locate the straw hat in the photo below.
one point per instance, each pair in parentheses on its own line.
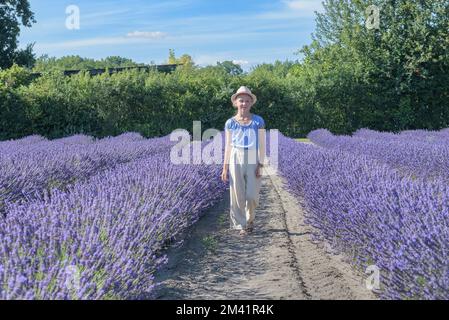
(243,90)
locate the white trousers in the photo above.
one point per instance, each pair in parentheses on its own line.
(244,187)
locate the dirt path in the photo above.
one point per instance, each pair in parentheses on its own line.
(277,261)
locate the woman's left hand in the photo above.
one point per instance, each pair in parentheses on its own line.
(258,171)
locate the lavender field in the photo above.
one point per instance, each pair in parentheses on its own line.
(85,219)
(382,199)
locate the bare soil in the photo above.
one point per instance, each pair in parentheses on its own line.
(277,261)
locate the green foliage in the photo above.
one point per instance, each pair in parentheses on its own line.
(185,60)
(45,63)
(230,67)
(392,78)
(151,103)
(14,77)
(25,57)
(14,13)
(210,243)
(13,120)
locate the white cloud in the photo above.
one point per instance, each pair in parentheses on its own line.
(304,5)
(99,41)
(134,37)
(293,9)
(104,13)
(146,34)
(206,59)
(164,39)
(240,62)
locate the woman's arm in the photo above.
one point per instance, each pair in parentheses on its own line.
(262,146)
(227,155)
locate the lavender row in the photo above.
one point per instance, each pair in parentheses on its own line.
(366,210)
(103,238)
(411,158)
(24,176)
(36,143)
(9,145)
(441,136)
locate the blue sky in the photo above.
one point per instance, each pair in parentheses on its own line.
(248,32)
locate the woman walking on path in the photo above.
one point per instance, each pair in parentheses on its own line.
(244,158)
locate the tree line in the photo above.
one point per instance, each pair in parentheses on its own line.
(392,77)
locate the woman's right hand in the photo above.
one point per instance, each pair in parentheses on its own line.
(224,175)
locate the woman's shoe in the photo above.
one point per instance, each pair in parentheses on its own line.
(243,232)
(250,228)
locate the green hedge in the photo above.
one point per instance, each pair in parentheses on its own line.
(153,103)
(294,98)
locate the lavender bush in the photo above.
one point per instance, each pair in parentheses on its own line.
(375,215)
(411,157)
(8,145)
(104,237)
(441,136)
(25,174)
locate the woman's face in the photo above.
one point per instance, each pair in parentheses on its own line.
(243,102)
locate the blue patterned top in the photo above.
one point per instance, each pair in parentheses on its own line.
(245,136)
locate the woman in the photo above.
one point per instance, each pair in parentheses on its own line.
(244,158)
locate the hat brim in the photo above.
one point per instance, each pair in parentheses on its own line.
(234,96)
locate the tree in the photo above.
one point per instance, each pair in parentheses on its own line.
(230,67)
(117,61)
(11,11)
(279,68)
(171,57)
(15,77)
(46,63)
(25,57)
(395,77)
(186,60)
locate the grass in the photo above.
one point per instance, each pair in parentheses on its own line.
(222,220)
(210,243)
(302,140)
